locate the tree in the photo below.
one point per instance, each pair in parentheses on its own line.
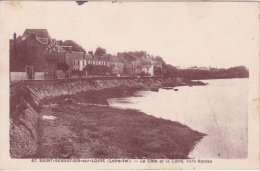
(75,47)
(96,69)
(158,58)
(158,71)
(171,71)
(100,51)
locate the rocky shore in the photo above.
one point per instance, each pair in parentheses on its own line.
(86,127)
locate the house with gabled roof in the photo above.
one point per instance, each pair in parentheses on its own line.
(132,64)
(115,64)
(77,60)
(35,50)
(80,60)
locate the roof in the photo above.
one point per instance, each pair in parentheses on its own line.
(115,59)
(60,49)
(98,58)
(157,62)
(88,56)
(42,40)
(20,39)
(67,48)
(146,62)
(77,55)
(127,56)
(43,33)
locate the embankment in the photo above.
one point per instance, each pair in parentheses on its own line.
(55,88)
(26,98)
(23,121)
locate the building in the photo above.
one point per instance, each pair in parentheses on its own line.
(77,60)
(50,66)
(147,70)
(158,68)
(132,63)
(203,68)
(115,64)
(89,64)
(68,58)
(151,68)
(135,67)
(32,50)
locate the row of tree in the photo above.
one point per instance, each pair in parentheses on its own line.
(234,72)
(76,47)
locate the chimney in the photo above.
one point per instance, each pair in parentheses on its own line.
(14,40)
(54,41)
(59,42)
(14,37)
(91,53)
(84,54)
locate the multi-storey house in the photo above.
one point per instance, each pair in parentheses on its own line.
(33,55)
(115,64)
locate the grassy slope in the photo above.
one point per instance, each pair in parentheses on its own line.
(91,131)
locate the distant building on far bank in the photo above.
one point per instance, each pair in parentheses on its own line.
(203,68)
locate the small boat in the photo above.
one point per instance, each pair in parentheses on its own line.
(155,89)
(175,89)
(167,88)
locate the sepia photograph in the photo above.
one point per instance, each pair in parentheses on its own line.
(135,83)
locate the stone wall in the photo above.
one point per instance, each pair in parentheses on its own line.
(23,121)
(54,88)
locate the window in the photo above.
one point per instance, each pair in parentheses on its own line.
(74,62)
(78,62)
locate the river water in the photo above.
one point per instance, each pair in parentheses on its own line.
(218,110)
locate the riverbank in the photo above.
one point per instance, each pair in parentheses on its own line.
(80,130)
(86,127)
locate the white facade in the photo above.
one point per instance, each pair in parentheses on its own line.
(79,64)
(148,69)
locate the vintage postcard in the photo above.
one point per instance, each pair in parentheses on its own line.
(129,85)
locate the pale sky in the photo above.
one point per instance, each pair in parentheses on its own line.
(184,34)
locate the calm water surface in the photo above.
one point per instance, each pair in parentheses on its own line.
(218,110)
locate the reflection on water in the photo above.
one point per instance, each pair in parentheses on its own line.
(218,109)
